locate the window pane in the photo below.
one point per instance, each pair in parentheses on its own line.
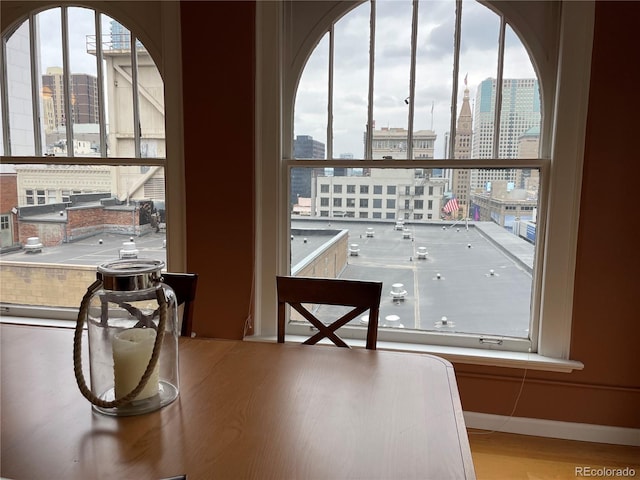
(351,83)
(85,113)
(391,77)
(312,96)
(472,265)
(434,58)
(109,206)
(19,87)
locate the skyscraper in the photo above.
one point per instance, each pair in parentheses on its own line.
(84,98)
(520,111)
(304,146)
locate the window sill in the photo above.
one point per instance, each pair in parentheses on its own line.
(470,356)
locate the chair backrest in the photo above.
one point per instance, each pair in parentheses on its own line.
(184,285)
(361,295)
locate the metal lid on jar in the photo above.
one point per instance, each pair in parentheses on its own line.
(130,274)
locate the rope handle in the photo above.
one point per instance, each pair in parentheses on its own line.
(77,350)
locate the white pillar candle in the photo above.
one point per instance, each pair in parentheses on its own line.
(132,350)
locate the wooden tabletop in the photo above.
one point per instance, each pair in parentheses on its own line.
(245,410)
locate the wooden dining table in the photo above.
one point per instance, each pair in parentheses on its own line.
(245,410)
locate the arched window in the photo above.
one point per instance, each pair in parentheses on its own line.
(83,151)
(453,109)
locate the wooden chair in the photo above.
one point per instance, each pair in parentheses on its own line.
(361,295)
(184,285)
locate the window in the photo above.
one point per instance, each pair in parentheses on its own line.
(364,203)
(388,152)
(364,189)
(391,190)
(351,189)
(324,202)
(377,203)
(337,188)
(75,89)
(377,189)
(324,188)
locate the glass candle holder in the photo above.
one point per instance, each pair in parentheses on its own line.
(132,323)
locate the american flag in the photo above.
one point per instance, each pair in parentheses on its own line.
(451,206)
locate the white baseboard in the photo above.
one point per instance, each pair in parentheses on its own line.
(554,429)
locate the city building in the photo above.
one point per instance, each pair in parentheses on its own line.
(38,184)
(462,149)
(409,194)
(304,147)
(383,194)
(519,112)
(84,98)
(504,205)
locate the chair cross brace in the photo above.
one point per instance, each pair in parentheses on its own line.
(327,330)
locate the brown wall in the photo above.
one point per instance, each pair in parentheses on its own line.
(218,96)
(606,317)
(218,56)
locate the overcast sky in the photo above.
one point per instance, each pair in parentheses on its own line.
(434,70)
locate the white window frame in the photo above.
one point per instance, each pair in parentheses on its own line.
(274,106)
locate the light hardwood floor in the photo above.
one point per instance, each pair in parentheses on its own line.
(506,456)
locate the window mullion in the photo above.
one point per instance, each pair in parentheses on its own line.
(499,74)
(100,81)
(456,66)
(372,47)
(64,18)
(36,79)
(134,91)
(330,94)
(412,78)
(4,91)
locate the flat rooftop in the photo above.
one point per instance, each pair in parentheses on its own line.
(473,300)
(454,281)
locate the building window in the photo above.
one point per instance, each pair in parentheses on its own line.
(337,188)
(377,189)
(364,203)
(324,201)
(418,204)
(351,189)
(377,203)
(65,94)
(324,188)
(364,189)
(337,202)
(391,203)
(389,156)
(351,202)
